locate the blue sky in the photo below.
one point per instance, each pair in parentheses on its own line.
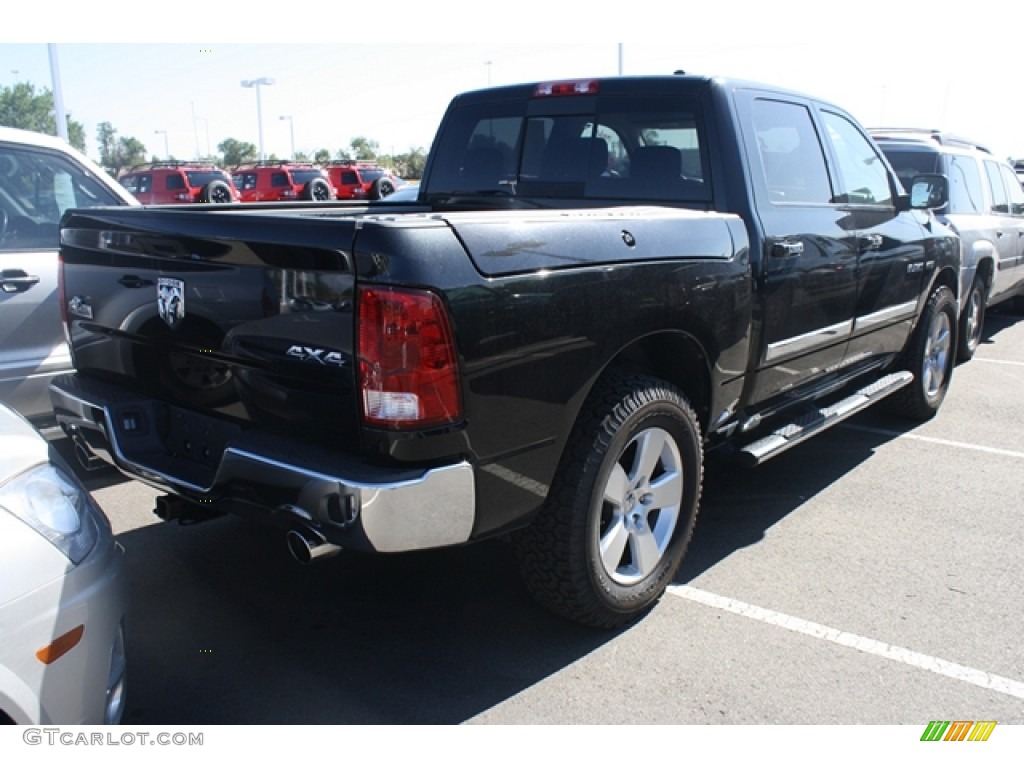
(887,63)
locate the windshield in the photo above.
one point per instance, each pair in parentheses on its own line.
(628,147)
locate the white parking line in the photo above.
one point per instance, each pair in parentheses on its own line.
(936,440)
(876,648)
(993,360)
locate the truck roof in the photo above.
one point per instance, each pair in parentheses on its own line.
(623,85)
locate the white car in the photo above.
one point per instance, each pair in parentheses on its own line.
(62,591)
(40,178)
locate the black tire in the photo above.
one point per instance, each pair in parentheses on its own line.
(215,192)
(930,357)
(317,189)
(972,321)
(381,188)
(603,563)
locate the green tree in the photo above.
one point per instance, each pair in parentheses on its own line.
(343,154)
(322,156)
(411,164)
(22,107)
(116,153)
(131,152)
(237,152)
(364,148)
(76,134)
(106,140)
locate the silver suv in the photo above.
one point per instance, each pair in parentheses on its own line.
(40,178)
(986,209)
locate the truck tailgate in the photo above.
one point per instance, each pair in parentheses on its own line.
(250,315)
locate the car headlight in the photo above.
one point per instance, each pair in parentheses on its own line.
(56,507)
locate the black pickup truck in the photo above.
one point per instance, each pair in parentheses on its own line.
(599,282)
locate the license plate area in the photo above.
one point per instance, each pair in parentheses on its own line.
(172,441)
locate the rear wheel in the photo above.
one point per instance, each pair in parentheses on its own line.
(972,321)
(930,357)
(621,512)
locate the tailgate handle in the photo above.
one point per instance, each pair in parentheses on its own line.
(16,280)
(134,281)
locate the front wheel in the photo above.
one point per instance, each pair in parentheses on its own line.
(622,509)
(930,356)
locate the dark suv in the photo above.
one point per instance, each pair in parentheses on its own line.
(184,182)
(282,181)
(986,209)
(357,180)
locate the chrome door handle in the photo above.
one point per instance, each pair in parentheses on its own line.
(16,281)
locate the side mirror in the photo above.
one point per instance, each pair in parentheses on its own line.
(929,191)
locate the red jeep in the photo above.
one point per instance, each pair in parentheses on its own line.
(179,182)
(361,180)
(282,181)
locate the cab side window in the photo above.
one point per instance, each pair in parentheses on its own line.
(965,190)
(36,187)
(1000,202)
(863,178)
(1013,190)
(791,156)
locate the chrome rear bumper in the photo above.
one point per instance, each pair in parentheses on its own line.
(350,502)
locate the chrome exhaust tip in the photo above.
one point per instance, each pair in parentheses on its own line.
(89,460)
(307,545)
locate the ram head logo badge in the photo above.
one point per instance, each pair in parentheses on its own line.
(170,300)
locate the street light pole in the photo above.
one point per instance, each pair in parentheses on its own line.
(58,94)
(195,131)
(206,130)
(259,105)
(167,151)
(291,129)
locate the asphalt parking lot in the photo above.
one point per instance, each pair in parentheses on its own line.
(872,575)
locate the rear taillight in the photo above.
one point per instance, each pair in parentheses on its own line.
(408,370)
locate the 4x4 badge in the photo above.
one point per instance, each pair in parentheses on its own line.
(170,300)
